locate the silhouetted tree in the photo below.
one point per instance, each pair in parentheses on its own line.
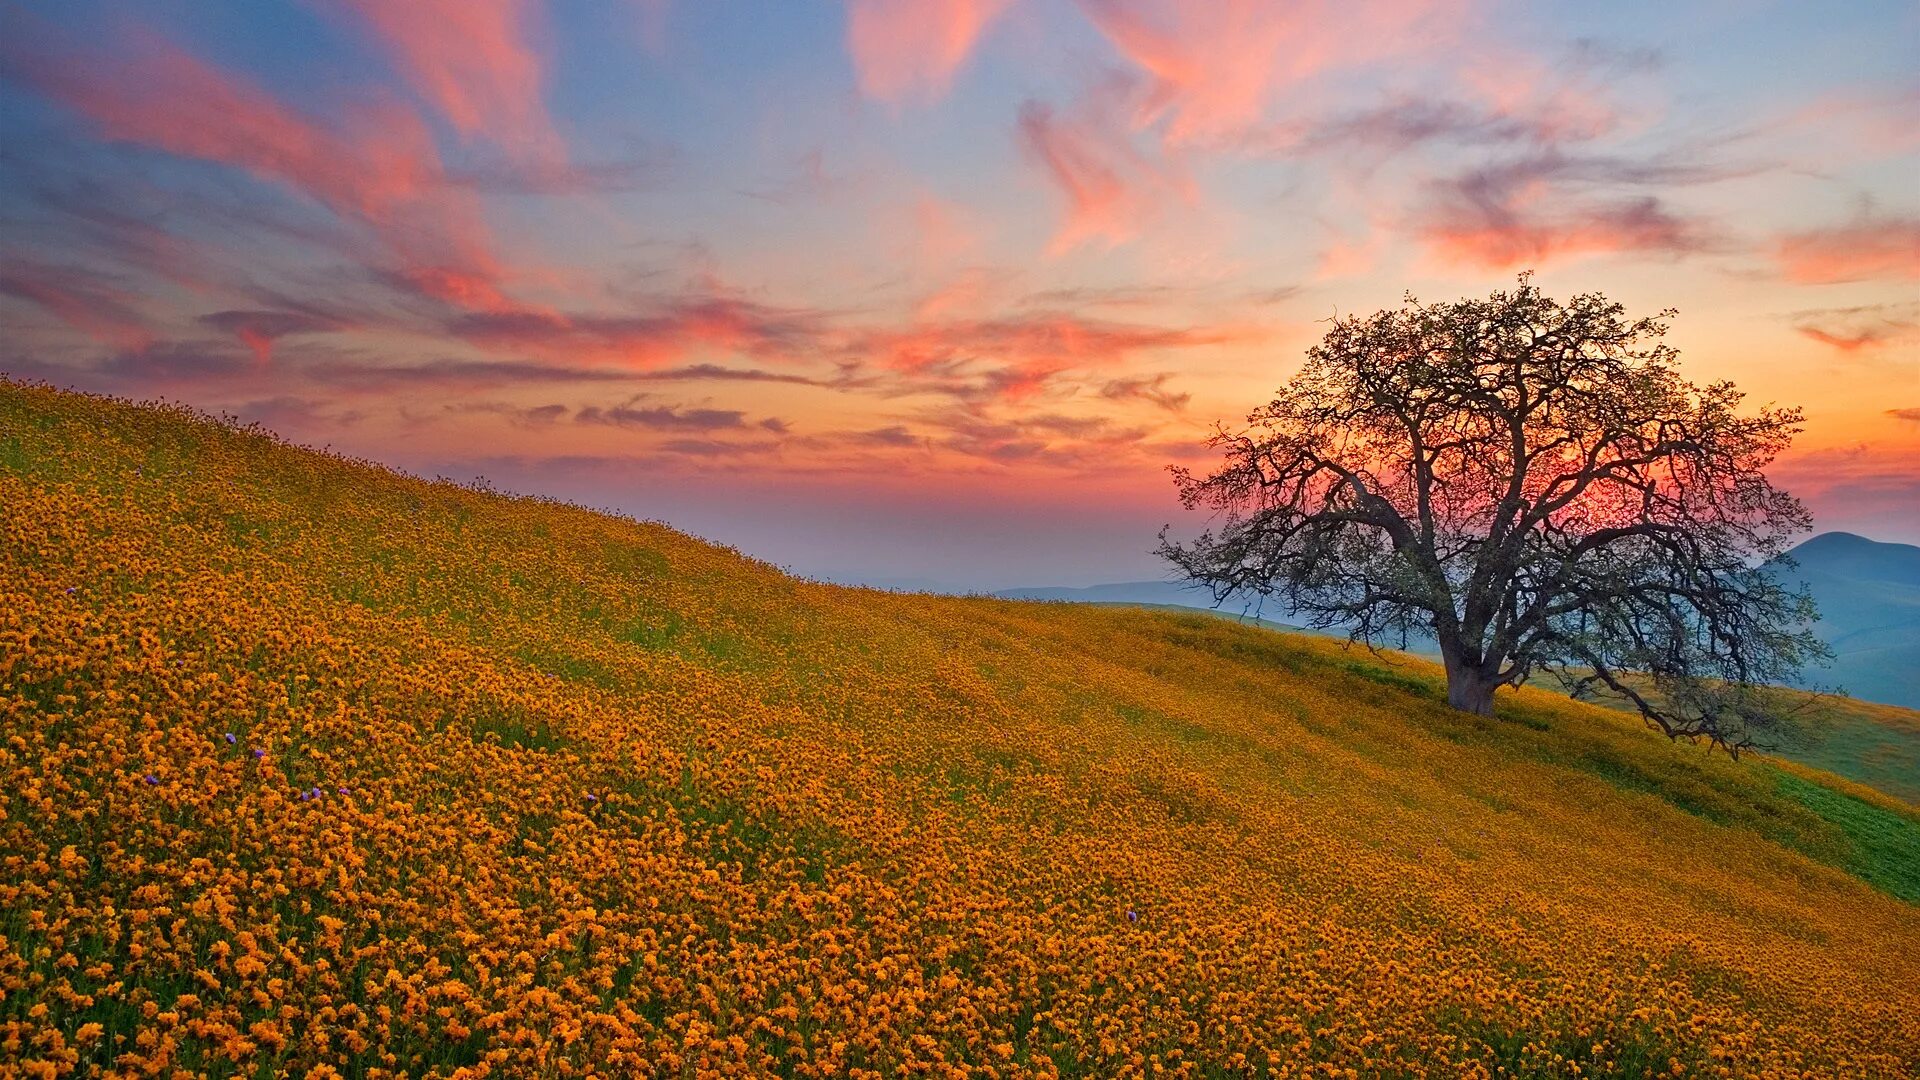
(1535,487)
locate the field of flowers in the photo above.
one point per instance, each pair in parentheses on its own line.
(307,768)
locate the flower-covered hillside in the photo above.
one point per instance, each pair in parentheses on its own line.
(308,768)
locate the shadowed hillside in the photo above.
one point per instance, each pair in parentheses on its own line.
(309,763)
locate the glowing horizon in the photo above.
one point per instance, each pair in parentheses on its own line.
(933,288)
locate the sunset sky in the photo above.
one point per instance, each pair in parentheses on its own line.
(934,289)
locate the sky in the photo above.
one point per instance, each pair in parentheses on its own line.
(932,292)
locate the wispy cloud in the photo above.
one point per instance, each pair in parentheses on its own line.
(1113,189)
(258,330)
(379,167)
(1216,67)
(1862,327)
(1148,388)
(1871,248)
(1534,209)
(662,417)
(1015,357)
(907,51)
(475,62)
(666,335)
(93,307)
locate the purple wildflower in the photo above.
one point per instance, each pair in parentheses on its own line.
(151,779)
(1133,916)
(258,753)
(230,738)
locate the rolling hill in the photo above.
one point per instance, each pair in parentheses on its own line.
(310,768)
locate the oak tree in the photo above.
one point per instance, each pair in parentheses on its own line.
(1533,486)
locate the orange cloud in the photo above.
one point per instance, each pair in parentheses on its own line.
(910,50)
(1846,343)
(1861,328)
(379,168)
(1867,250)
(1148,388)
(471,59)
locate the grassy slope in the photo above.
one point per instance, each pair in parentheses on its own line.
(1865,741)
(829,828)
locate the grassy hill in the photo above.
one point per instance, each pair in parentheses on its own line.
(307,765)
(1867,741)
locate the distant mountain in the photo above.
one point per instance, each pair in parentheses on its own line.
(1868,593)
(1124,592)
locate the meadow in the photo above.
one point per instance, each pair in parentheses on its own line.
(309,768)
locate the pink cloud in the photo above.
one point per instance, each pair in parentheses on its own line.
(672,333)
(378,167)
(1864,487)
(103,313)
(1112,188)
(1866,250)
(1217,66)
(909,50)
(1538,209)
(472,60)
(1503,241)
(1015,357)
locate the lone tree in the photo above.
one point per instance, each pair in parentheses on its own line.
(1533,486)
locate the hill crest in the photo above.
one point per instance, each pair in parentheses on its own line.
(543,789)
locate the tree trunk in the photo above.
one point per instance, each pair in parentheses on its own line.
(1468,690)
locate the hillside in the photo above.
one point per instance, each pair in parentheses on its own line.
(309,764)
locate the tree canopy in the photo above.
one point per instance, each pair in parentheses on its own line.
(1533,485)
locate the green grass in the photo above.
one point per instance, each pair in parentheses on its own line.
(1885,846)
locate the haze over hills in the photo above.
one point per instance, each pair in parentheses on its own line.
(304,763)
(1868,593)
